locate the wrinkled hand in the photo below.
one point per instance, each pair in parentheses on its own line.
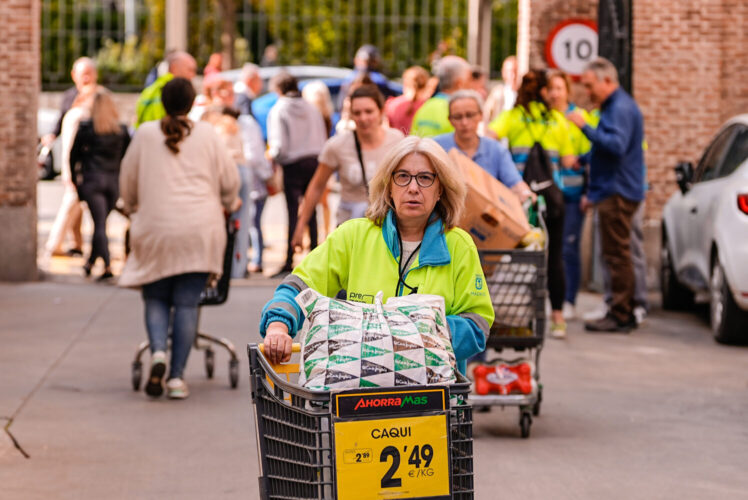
(277,343)
(523,192)
(576,118)
(297,240)
(48,139)
(584,204)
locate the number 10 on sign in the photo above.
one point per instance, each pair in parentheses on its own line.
(392,458)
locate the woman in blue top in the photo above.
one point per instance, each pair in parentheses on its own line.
(465,116)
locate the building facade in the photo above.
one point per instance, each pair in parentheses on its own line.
(19,87)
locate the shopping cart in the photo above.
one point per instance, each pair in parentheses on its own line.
(216,292)
(516,281)
(397,442)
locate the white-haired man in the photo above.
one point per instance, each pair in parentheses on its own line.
(83,73)
(149,107)
(250,77)
(432,118)
(616,186)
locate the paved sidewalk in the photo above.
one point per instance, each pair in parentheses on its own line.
(65,382)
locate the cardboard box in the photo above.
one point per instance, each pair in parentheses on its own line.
(493,214)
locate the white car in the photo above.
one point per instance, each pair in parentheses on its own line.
(705,234)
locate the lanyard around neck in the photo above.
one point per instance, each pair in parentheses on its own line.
(403,269)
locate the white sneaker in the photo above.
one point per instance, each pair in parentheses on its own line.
(155,385)
(570,311)
(640,313)
(177,389)
(596,314)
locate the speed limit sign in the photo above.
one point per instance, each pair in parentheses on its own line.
(571,45)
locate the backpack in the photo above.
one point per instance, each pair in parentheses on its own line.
(539,172)
(538,175)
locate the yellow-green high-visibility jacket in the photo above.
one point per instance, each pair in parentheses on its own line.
(363,259)
(432,118)
(149,106)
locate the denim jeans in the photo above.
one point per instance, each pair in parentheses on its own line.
(255,231)
(173,301)
(241,242)
(573,223)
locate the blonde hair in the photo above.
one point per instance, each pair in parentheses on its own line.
(317,94)
(104,114)
(452,200)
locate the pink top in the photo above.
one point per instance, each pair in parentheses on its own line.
(400,112)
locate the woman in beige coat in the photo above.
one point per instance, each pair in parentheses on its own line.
(176,181)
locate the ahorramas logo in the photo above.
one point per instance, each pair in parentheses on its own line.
(398,402)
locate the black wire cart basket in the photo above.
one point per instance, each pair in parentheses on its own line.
(397,442)
(516,281)
(216,292)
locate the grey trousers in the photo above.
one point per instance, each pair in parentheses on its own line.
(638,258)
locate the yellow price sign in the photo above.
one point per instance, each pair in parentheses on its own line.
(393,458)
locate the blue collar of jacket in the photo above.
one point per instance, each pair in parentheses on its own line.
(611,98)
(433,251)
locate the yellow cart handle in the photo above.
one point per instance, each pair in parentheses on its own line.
(284,368)
(295,347)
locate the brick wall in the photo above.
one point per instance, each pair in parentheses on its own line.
(19,85)
(690,73)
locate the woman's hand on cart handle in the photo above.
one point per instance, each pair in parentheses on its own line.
(277,345)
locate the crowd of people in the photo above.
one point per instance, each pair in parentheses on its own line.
(194,159)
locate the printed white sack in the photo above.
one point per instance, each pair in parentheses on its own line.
(349,344)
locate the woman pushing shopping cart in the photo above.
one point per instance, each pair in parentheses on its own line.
(404,430)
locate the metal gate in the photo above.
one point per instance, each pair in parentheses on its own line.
(126,37)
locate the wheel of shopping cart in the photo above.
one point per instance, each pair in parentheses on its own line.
(210,362)
(234,373)
(525,421)
(137,375)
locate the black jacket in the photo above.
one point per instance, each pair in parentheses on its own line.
(68,98)
(92,152)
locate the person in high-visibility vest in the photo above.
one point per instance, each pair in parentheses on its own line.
(408,243)
(531,121)
(432,118)
(573,183)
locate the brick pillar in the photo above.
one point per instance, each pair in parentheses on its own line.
(19,87)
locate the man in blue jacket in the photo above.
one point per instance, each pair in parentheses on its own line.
(616,184)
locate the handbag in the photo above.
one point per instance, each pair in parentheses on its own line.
(275,183)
